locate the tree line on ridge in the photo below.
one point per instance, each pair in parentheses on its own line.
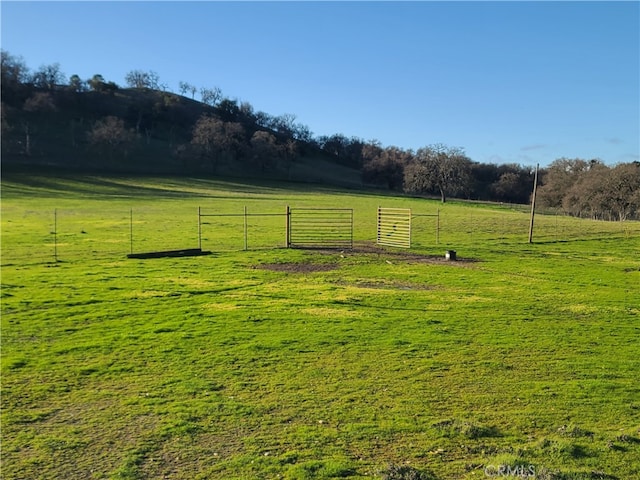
(73,123)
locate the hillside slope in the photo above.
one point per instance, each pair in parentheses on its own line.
(151,131)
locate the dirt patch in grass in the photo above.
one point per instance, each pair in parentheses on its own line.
(395,255)
(369,250)
(300,267)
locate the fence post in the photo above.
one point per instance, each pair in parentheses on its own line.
(246,247)
(55,234)
(131,230)
(378,225)
(288,227)
(410,222)
(199,229)
(438,228)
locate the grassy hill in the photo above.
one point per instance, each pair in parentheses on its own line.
(297,364)
(52,129)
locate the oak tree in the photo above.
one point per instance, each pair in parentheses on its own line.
(438,169)
(384,166)
(48,76)
(264,149)
(141,79)
(111,135)
(210,96)
(214,138)
(185,87)
(76,84)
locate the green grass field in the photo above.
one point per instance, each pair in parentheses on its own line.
(303,364)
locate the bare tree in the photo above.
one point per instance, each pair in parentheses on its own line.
(208,138)
(558,179)
(246,110)
(6,126)
(289,152)
(141,79)
(39,105)
(587,196)
(623,190)
(4,122)
(264,149)
(110,133)
(48,76)
(284,124)
(335,145)
(13,70)
(263,119)
(214,138)
(211,96)
(185,87)
(592,189)
(234,139)
(507,183)
(384,166)
(302,133)
(438,169)
(40,102)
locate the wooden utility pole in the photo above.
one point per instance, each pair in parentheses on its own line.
(533,204)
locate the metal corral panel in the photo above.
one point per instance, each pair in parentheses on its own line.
(320,228)
(394,227)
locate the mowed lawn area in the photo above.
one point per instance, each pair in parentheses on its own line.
(517,359)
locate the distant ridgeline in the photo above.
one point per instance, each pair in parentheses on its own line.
(49,121)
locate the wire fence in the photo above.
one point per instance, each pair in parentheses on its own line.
(242,230)
(72,234)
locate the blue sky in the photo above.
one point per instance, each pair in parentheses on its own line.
(516,82)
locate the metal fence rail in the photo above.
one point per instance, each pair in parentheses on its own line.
(320,228)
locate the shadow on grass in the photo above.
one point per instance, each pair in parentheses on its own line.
(56,183)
